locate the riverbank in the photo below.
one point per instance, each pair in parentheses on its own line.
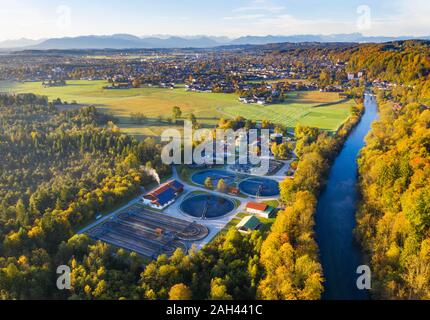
(335,217)
(290,255)
(393,224)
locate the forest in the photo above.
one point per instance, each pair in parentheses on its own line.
(406,64)
(58,170)
(394,215)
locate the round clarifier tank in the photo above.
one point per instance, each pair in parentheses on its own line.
(215,175)
(207,206)
(260,187)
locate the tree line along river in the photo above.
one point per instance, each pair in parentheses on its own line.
(335,217)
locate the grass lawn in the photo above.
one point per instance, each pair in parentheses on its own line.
(266,224)
(208,107)
(272,203)
(232,224)
(186,173)
(300,107)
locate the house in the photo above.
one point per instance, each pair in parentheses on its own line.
(351,76)
(277,138)
(260,209)
(261,102)
(164,195)
(248,224)
(54,83)
(397,107)
(119,85)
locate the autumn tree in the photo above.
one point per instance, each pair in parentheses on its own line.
(393,219)
(180,292)
(219,290)
(209,183)
(222,186)
(136,83)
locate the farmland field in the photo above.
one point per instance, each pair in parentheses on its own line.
(322,110)
(315,109)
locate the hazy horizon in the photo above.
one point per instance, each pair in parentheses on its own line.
(190,36)
(53,19)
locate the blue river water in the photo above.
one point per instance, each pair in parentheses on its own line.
(335,217)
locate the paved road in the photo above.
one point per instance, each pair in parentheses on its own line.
(109,216)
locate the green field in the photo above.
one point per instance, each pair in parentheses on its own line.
(301,107)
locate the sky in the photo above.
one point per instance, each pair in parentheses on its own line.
(233,18)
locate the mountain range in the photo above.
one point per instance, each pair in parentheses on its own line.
(19,43)
(127,41)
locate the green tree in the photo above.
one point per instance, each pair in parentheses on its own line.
(21,214)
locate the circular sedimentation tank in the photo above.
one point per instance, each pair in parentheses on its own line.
(216,175)
(207,206)
(260,187)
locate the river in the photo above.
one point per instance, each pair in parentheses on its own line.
(335,217)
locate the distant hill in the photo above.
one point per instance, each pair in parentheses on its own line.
(91,42)
(127,41)
(352,37)
(19,43)
(124,42)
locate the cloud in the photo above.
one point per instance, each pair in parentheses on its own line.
(22,20)
(411,17)
(26,18)
(244,17)
(272,9)
(404,18)
(286,24)
(260,6)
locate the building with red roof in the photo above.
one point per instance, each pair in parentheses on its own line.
(260,209)
(164,195)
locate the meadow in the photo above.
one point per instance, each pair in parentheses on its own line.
(321,110)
